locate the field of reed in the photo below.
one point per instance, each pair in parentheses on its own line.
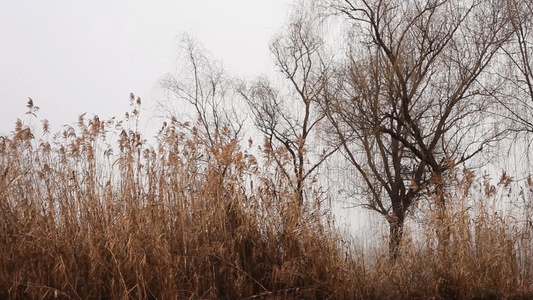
(96,212)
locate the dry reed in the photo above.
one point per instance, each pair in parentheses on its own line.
(83,218)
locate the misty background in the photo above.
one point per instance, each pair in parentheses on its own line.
(74,57)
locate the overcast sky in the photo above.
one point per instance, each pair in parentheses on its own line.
(73,57)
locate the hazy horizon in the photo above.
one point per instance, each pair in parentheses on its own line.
(73,58)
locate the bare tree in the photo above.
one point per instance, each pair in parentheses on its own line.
(517,98)
(202,85)
(411,98)
(288,120)
(385,165)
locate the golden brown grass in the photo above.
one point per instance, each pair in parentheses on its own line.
(193,219)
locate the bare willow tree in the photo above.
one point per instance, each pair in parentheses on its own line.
(410,101)
(203,90)
(288,118)
(516,98)
(202,83)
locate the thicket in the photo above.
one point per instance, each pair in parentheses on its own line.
(83,217)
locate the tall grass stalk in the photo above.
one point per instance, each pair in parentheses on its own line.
(95,212)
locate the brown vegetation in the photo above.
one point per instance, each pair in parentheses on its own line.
(95,211)
(186,219)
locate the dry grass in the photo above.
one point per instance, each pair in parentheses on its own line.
(488,255)
(189,219)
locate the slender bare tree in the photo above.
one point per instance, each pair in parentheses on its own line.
(517,98)
(202,85)
(288,118)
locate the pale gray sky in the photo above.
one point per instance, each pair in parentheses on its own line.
(73,57)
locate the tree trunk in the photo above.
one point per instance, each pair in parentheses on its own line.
(443,229)
(395,235)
